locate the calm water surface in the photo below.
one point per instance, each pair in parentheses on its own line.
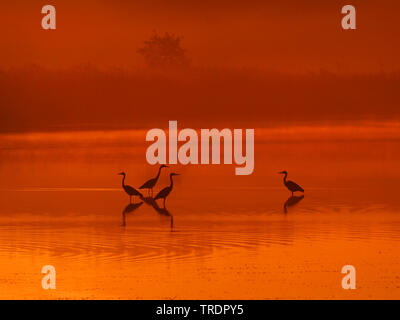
(222,236)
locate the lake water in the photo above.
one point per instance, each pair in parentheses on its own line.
(221,237)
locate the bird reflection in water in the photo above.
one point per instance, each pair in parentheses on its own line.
(129,209)
(163,212)
(293,200)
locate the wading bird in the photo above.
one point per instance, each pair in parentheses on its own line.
(128,189)
(152,182)
(292,186)
(163,194)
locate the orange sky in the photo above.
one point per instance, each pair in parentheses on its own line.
(223,36)
(286,35)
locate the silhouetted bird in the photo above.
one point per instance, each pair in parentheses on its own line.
(292,186)
(128,189)
(149,200)
(152,182)
(163,194)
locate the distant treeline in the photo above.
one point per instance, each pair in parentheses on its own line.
(35,99)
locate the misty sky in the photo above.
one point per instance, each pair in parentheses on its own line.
(285,35)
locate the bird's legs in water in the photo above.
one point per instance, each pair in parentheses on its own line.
(164,202)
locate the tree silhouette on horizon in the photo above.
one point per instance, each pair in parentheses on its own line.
(164,51)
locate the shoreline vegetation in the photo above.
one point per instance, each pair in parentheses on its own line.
(35,99)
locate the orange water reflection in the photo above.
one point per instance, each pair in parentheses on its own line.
(231,238)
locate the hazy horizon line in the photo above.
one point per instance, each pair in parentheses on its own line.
(132,69)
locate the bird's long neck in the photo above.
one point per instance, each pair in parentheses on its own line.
(123,181)
(172,182)
(284,178)
(158,174)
